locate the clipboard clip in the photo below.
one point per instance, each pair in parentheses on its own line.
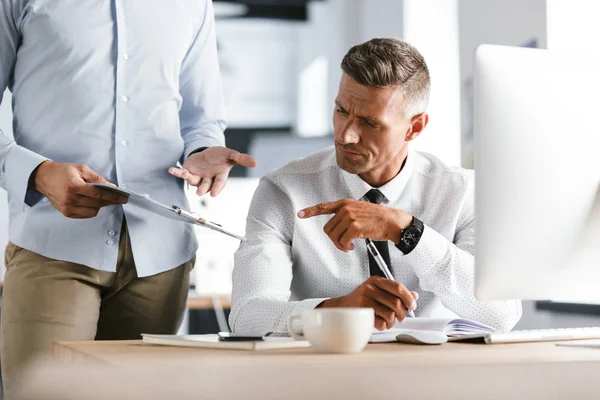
(194,216)
(203,222)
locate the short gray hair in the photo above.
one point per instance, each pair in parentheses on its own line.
(388,62)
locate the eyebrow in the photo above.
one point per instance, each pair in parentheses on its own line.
(365,118)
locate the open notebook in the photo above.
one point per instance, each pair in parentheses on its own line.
(453,328)
(212,341)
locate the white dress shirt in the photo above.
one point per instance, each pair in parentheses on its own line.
(126,87)
(289,264)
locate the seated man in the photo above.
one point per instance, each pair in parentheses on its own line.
(419,212)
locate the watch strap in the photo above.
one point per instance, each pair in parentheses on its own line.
(416,228)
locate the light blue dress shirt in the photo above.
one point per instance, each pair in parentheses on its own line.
(127,87)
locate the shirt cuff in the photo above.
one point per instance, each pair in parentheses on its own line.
(429,252)
(199,150)
(19,165)
(208,140)
(300,306)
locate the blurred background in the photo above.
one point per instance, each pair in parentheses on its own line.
(280,65)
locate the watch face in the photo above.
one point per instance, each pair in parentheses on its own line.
(411,236)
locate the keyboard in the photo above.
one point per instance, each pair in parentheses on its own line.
(534,335)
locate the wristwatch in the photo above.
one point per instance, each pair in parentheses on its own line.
(409,237)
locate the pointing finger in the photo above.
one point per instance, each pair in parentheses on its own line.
(320,209)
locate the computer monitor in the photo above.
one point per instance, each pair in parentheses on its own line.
(537,169)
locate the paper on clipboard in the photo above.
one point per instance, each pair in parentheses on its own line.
(172,212)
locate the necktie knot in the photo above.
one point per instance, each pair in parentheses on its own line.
(375,196)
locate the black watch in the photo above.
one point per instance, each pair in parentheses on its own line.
(409,237)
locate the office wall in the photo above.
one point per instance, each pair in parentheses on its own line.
(430,25)
(506,22)
(573,25)
(6,127)
(258,61)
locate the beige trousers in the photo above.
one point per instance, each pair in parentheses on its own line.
(46,300)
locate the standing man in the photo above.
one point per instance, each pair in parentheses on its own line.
(103,91)
(308,220)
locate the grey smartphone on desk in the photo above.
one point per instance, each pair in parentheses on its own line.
(232,337)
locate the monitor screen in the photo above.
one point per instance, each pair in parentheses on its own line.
(537,168)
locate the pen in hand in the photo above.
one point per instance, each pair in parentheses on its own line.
(383,266)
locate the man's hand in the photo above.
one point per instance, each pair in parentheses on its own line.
(66,187)
(356,219)
(386,297)
(209,168)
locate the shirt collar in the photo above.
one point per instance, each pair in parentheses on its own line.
(391,190)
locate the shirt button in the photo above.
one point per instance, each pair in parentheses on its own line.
(109,242)
(125,99)
(111,233)
(124,143)
(126,56)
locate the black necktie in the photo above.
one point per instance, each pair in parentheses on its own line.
(375,196)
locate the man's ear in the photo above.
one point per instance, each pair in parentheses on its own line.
(418,124)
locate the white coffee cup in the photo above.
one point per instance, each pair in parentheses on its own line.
(335,330)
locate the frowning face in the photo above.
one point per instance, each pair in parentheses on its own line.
(371,132)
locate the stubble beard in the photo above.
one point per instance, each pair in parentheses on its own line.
(349,165)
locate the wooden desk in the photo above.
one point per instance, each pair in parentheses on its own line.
(131,370)
(393,355)
(207,302)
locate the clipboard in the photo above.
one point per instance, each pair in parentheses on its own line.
(172,212)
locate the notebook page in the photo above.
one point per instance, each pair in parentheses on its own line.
(458,327)
(450,326)
(423,324)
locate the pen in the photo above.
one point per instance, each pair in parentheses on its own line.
(194,216)
(209,224)
(383,266)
